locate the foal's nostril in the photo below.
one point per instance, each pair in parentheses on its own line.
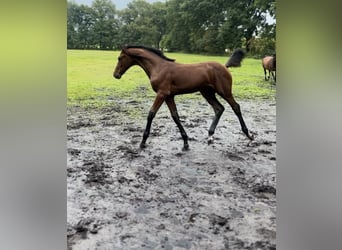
(117,75)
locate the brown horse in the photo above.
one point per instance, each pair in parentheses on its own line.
(269,63)
(169,79)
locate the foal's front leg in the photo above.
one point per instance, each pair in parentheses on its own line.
(154,109)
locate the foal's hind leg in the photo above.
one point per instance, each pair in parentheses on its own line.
(209,95)
(236,108)
(173,110)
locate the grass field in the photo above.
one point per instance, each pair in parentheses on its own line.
(91,83)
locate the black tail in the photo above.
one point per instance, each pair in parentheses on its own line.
(236,58)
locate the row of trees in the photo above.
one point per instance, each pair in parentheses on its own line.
(193,26)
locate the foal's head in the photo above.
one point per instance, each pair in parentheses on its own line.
(129,58)
(125,61)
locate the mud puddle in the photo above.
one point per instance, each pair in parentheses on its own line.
(217,196)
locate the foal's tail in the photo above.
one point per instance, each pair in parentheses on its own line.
(236,58)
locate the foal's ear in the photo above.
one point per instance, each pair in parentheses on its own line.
(124,48)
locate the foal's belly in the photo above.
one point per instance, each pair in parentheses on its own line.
(189,80)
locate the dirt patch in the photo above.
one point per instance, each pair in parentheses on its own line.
(217,196)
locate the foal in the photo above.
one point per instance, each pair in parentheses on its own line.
(269,63)
(169,79)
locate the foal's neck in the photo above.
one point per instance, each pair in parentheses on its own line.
(149,63)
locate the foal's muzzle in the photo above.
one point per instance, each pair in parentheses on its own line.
(117,75)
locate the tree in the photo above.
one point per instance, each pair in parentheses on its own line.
(193,26)
(86,32)
(213,25)
(158,20)
(250,17)
(143,23)
(206,19)
(178,33)
(105,24)
(72,25)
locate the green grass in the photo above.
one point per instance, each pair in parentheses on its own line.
(91,83)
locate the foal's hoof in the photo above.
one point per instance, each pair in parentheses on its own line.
(251,137)
(142,145)
(210,140)
(185,147)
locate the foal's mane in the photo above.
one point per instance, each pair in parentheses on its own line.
(153,50)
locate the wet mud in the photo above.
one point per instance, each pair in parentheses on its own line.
(214,196)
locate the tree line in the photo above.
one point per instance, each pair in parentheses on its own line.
(192,26)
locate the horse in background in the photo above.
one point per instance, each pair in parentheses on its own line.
(269,64)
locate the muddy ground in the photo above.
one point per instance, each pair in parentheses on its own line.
(217,196)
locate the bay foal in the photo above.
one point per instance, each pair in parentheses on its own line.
(169,78)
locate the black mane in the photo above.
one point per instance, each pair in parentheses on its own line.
(153,50)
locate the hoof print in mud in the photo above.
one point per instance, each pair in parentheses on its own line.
(123,179)
(160,227)
(95,173)
(74,151)
(217,220)
(124,237)
(121,215)
(264,191)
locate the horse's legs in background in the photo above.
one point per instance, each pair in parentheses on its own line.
(265,74)
(173,110)
(236,108)
(274,76)
(209,95)
(155,107)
